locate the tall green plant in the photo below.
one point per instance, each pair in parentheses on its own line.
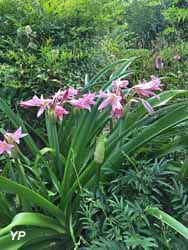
(42,187)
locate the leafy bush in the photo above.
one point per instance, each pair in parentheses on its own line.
(47,44)
(145,19)
(177,17)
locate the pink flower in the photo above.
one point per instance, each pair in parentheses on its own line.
(58,96)
(85,102)
(159,63)
(72,93)
(148,88)
(5,147)
(116,113)
(62,95)
(31,103)
(60,112)
(177,57)
(110,99)
(15,137)
(120,84)
(37,102)
(147,106)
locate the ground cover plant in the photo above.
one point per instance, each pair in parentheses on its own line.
(117,219)
(40,189)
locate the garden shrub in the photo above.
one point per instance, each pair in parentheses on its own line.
(177,18)
(44,47)
(145,20)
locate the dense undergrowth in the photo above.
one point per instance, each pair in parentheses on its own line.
(117,219)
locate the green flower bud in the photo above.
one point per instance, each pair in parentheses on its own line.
(100,149)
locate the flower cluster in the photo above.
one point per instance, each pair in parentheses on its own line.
(10,140)
(116,98)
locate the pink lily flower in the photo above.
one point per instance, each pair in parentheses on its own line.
(62,95)
(30,103)
(85,102)
(37,102)
(5,147)
(60,112)
(177,57)
(16,136)
(117,113)
(110,99)
(72,93)
(58,96)
(120,84)
(148,88)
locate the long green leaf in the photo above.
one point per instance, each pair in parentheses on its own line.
(146,134)
(10,186)
(32,219)
(54,143)
(169,220)
(6,242)
(108,68)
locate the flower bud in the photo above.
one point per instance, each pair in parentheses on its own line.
(100,149)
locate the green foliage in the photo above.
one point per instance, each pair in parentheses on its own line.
(144,18)
(177,17)
(174,72)
(117,219)
(45,184)
(50,44)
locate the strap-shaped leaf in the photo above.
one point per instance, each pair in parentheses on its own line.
(169,220)
(126,62)
(6,242)
(27,194)
(32,219)
(145,135)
